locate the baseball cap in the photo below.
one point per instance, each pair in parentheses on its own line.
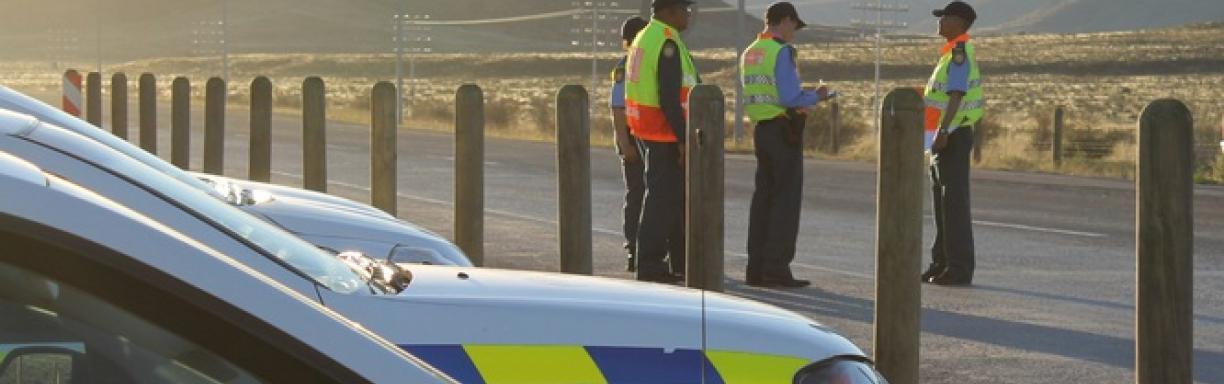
(957,8)
(781,10)
(631,27)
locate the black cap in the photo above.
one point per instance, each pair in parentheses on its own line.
(660,4)
(781,10)
(957,8)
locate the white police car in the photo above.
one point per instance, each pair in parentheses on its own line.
(479,325)
(330,222)
(93,292)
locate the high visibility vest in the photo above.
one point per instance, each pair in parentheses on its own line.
(936,96)
(761,100)
(642,108)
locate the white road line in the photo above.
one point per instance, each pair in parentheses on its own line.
(1038,229)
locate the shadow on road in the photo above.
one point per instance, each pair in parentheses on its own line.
(1114,351)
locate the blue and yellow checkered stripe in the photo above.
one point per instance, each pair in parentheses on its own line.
(500,364)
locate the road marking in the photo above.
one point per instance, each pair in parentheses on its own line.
(1038,229)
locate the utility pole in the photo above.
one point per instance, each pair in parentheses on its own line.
(405,46)
(224,43)
(879,25)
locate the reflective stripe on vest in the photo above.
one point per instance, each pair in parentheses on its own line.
(642,108)
(936,96)
(760,85)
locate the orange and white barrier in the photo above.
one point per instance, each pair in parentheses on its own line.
(72,92)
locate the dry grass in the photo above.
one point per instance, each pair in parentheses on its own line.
(1102,80)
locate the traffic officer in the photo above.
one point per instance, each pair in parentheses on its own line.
(776,103)
(954,102)
(659,74)
(626,146)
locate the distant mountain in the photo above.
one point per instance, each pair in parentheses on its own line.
(1033,16)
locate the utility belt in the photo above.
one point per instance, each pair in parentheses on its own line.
(794,121)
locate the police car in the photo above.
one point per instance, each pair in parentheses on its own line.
(478,325)
(330,222)
(92,292)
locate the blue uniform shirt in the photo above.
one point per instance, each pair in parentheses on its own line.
(790,89)
(617,95)
(958,71)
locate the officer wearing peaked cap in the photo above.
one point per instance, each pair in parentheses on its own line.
(659,75)
(954,102)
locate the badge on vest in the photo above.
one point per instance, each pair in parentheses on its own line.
(958,54)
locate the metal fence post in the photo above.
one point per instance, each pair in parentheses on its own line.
(574,179)
(1164,323)
(469,172)
(260,166)
(93,99)
(382,147)
(214,126)
(180,122)
(704,189)
(314,134)
(1058,136)
(899,236)
(148,112)
(119,105)
(834,127)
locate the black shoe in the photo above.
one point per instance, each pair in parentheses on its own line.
(931,273)
(953,278)
(779,283)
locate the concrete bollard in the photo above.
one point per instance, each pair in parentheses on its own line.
(1058,136)
(71,99)
(93,99)
(704,191)
(1164,247)
(119,105)
(260,165)
(214,126)
(382,147)
(469,172)
(574,180)
(314,135)
(148,112)
(899,189)
(180,122)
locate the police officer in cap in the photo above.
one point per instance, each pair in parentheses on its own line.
(954,102)
(627,146)
(776,103)
(659,75)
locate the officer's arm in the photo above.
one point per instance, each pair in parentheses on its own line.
(671,78)
(958,83)
(790,89)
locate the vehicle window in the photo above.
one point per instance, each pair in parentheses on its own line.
(320,266)
(54,333)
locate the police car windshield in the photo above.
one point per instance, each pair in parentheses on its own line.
(266,238)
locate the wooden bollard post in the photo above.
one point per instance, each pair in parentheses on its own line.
(704,192)
(148,112)
(1164,319)
(119,105)
(260,164)
(899,236)
(382,147)
(469,172)
(214,126)
(1058,137)
(180,122)
(314,135)
(574,180)
(93,98)
(834,127)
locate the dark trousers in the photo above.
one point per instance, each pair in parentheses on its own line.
(953,248)
(661,230)
(635,188)
(773,221)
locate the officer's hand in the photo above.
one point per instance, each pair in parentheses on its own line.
(626,148)
(941,141)
(823,92)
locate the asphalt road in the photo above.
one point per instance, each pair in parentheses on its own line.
(1053,300)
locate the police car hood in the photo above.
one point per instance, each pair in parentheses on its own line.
(572,309)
